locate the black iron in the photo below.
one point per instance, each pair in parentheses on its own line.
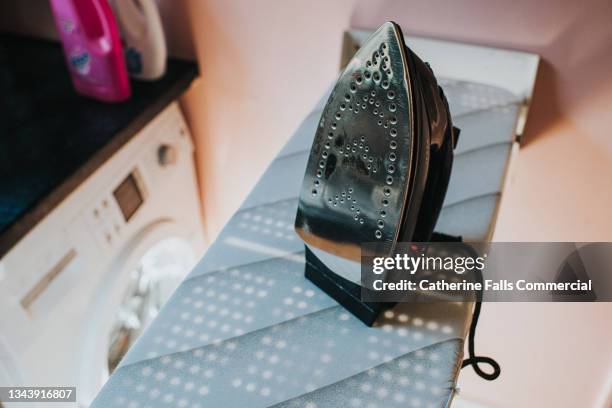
(379,166)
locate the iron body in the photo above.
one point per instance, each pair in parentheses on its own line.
(378,168)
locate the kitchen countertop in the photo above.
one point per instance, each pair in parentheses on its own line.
(52,139)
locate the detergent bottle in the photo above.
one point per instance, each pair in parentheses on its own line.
(92,47)
(143,34)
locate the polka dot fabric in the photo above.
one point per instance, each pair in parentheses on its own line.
(412,380)
(468,97)
(287,360)
(253,235)
(220,305)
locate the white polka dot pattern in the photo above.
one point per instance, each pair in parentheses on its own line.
(413,380)
(220,305)
(284,361)
(469,97)
(253,235)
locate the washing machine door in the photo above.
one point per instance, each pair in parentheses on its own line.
(139,282)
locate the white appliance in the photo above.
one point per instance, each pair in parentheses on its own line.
(143,33)
(85,281)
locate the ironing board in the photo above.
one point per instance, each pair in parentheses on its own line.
(246,329)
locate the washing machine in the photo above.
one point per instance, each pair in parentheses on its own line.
(79,288)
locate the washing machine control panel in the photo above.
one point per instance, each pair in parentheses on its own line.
(127,200)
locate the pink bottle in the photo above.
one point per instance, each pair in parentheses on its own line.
(92,46)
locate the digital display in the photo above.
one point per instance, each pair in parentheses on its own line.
(128,196)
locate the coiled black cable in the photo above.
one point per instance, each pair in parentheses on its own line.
(473,359)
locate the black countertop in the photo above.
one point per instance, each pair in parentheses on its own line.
(51,139)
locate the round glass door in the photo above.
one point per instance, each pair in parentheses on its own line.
(152,281)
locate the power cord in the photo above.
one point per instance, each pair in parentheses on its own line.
(473,359)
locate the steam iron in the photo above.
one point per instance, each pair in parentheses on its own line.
(378,169)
